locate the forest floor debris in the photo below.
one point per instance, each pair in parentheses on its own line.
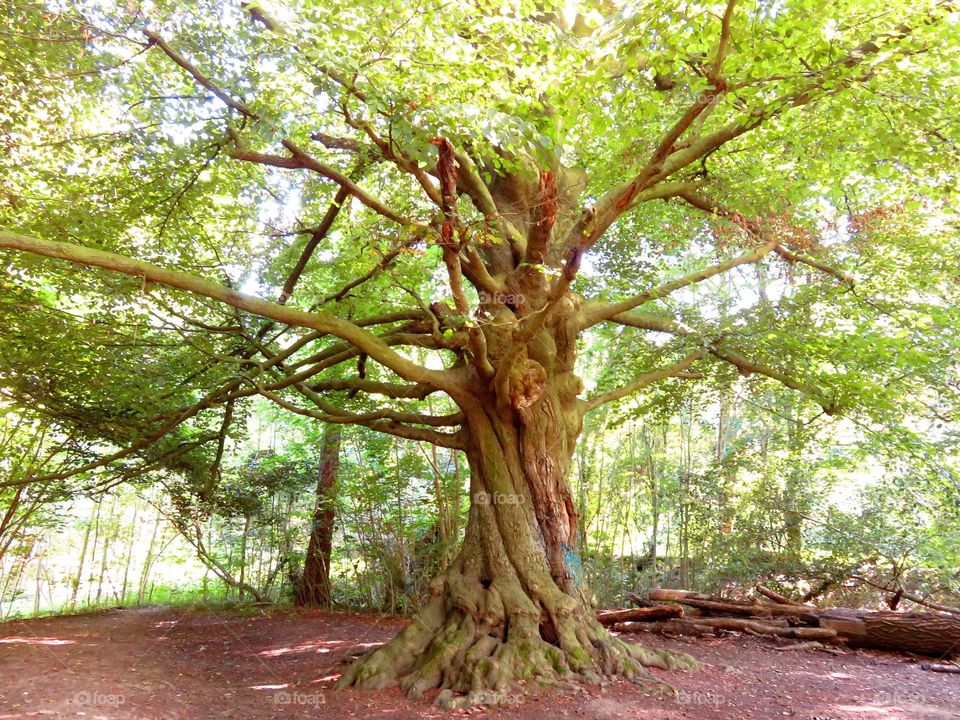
(935,634)
(161,663)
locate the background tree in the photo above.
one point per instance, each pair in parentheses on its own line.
(315,582)
(473,189)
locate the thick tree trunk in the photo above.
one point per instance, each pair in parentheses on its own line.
(315,584)
(512,605)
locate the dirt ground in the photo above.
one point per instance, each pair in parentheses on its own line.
(159,663)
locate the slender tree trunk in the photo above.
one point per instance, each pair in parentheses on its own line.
(128,559)
(93,549)
(75,584)
(723,463)
(147,562)
(315,584)
(655,500)
(109,535)
(683,532)
(793,490)
(243,549)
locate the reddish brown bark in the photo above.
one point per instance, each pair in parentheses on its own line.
(932,634)
(315,583)
(721,606)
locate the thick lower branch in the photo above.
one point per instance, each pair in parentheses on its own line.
(324,322)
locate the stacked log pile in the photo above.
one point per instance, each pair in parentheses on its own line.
(929,633)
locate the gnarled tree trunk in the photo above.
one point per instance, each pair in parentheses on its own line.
(513,604)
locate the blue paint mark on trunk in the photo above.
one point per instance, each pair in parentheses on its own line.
(572,561)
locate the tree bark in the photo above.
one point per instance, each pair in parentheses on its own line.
(936,634)
(710,626)
(75,581)
(315,584)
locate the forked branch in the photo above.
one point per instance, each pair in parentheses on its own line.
(298,159)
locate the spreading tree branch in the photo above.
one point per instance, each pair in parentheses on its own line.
(298,159)
(716,209)
(720,348)
(317,236)
(677,370)
(671,155)
(321,321)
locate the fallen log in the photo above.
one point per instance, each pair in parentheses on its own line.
(710,626)
(666,627)
(936,634)
(656,612)
(923,633)
(940,668)
(759,628)
(720,606)
(773,595)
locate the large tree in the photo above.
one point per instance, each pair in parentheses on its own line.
(482,182)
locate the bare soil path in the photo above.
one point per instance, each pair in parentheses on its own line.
(166,664)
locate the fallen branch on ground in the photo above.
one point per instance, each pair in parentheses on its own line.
(775,596)
(711,626)
(656,612)
(936,634)
(721,606)
(940,668)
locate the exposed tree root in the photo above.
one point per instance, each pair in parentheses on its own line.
(511,608)
(475,644)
